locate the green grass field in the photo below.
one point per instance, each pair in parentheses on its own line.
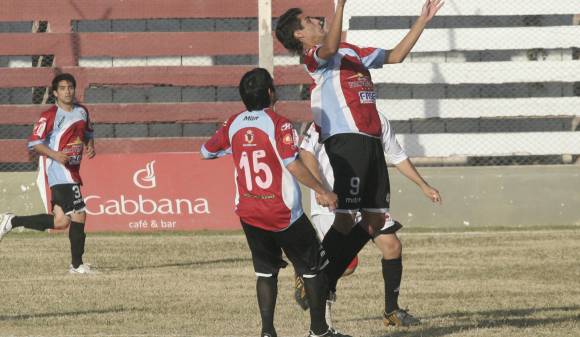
(491,283)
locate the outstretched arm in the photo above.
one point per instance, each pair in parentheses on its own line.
(332,39)
(407,168)
(400,52)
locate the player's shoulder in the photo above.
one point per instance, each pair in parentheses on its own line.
(280,122)
(82,107)
(50,111)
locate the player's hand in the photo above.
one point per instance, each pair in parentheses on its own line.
(430,8)
(432,194)
(327,199)
(90,151)
(60,157)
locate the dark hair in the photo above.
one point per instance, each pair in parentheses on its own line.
(287,24)
(254,87)
(63,77)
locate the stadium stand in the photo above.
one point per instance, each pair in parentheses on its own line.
(156,76)
(498,80)
(494,79)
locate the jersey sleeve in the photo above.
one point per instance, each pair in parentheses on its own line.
(312,61)
(219,144)
(310,140)
(372,58)
(42,129)
(393,150)
(286,141)
(89,131)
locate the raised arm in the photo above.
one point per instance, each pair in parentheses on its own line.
(332,39)
(400,52)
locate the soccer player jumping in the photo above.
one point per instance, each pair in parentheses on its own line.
(343,102)
(63,134)
(264,146)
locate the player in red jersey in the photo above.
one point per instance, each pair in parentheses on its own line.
(63,134)
(264,148)
(343,102)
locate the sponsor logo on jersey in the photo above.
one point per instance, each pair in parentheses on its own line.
(367,97)
(354,200)
(359,80)
(145,178)
(39,127)
(251,118)
(74,151)
(262,197)
(59,123)
(286,126)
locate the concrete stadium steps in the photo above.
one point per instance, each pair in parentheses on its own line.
(463,8)
(491,144)
(416,145)
(197,112)
(465,39)
(479,108)
(8,154)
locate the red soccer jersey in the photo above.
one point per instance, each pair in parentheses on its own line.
(262,143)
(343,97)
(63,131)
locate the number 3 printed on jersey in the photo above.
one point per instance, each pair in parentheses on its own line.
(257,168)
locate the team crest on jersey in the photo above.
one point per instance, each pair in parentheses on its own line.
(249,136)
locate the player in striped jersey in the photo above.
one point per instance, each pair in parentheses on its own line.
(264,148)
(63,134)
(343,102)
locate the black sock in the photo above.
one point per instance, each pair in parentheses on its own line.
(77,236)
(392,273)
(317,292)
(39,222)
(332,243)
(267,290)
(352,245)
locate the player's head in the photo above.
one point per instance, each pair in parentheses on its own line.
(295,30)
(257,89)
(63,88)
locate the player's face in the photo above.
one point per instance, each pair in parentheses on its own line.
(65,92)
(313,30)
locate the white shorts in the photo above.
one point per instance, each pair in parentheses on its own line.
(323,222)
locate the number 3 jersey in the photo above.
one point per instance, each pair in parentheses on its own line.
(262,143)
(65,132)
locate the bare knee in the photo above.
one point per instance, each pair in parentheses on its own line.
(389,245)
(61,221)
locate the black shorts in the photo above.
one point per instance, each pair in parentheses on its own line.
(299,242)
(68,197)
(361,180)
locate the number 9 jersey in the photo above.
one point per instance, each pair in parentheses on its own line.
(262,143)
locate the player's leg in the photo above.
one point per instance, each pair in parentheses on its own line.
(267,261)
(322,223)
(383,228)
(38,222)
(303,248)
(349,157)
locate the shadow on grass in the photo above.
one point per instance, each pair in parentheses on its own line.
(179,264)
(66,314)
(516,318)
